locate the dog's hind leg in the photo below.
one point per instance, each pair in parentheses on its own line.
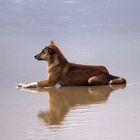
(118,80)
(101,79)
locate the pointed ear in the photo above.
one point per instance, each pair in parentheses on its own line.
(51,50)
(52,43)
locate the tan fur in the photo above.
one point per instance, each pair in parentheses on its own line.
(65,73)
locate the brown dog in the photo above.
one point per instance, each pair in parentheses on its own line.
(62,72)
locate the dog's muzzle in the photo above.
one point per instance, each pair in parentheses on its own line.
(38,58)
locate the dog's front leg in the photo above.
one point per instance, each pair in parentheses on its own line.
(35,84)
(29,85)
(52,81)
(46,83)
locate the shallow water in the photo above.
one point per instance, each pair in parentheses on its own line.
(79,112)
(88,32)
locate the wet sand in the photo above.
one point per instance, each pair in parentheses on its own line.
(102,112)
(88,32)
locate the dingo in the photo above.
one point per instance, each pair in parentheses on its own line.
(62,72)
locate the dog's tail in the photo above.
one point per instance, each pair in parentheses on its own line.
(117,80)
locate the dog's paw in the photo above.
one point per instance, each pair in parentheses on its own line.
(57,85)
(30,85)
(20,85)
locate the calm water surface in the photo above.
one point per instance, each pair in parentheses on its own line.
(105,32)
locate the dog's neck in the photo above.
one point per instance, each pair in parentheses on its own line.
(56,61)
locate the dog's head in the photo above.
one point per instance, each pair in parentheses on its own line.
(47,53)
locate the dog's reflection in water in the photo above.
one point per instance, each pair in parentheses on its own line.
(61,100)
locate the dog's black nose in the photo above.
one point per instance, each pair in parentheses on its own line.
(35,56)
